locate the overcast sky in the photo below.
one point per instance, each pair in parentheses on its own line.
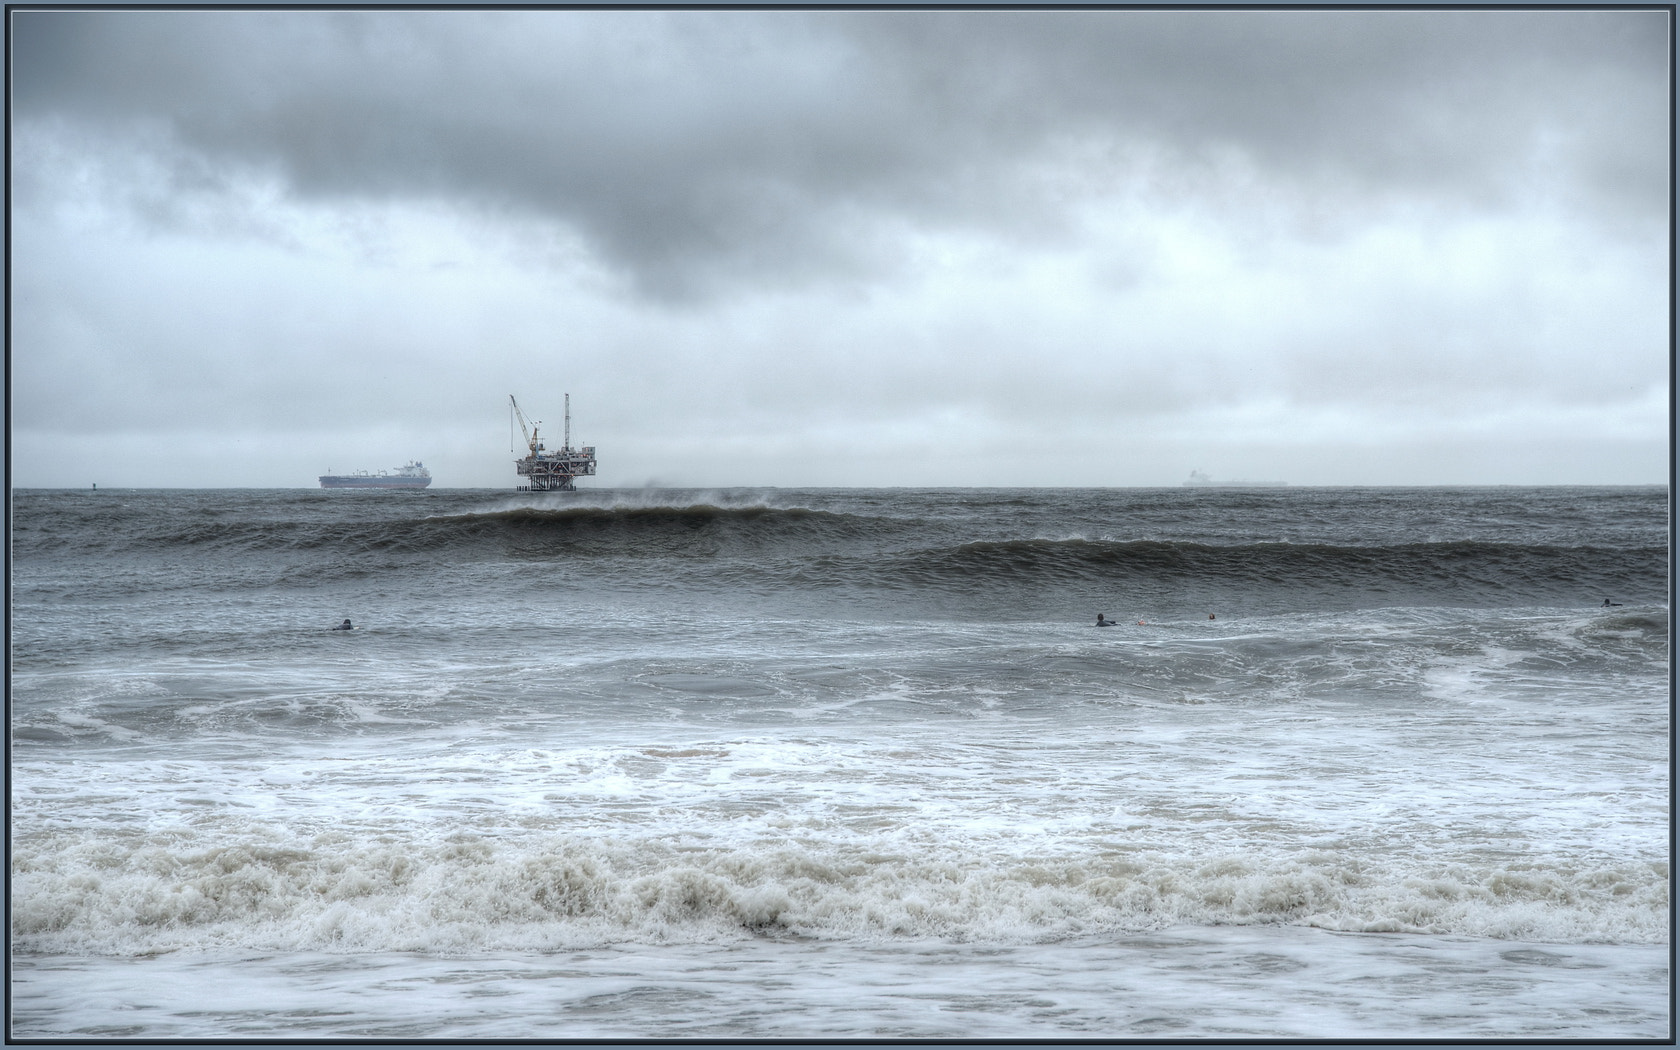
(842,248)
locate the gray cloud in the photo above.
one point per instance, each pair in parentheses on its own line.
(844,247)
(693,150)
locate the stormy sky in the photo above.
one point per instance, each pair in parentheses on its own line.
(842,248)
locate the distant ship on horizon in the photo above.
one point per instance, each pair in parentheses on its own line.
(1198,480)
(411,475)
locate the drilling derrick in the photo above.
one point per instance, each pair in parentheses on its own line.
(551,471)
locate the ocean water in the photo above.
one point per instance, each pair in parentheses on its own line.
(841,763)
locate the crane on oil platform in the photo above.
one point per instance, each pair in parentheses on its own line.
(550,471)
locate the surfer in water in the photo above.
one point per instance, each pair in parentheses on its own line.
(1101,622)
(1608,604)
(345,626)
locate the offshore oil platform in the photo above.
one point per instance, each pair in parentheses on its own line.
(550,471)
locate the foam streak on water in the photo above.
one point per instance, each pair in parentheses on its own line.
(841,763)
(1181,983)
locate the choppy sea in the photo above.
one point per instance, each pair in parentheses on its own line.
(849,763)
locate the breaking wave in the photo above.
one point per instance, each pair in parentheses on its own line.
(760,546)
(1442,566)
(556,529)
(155,893)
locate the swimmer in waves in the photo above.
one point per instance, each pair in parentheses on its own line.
(1103,622)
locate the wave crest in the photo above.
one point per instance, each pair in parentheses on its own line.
(153,895)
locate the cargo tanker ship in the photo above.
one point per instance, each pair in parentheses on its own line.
(412,475)
(1198,480)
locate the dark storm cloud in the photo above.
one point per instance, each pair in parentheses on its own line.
(690,150)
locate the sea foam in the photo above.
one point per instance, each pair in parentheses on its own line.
(145,893)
